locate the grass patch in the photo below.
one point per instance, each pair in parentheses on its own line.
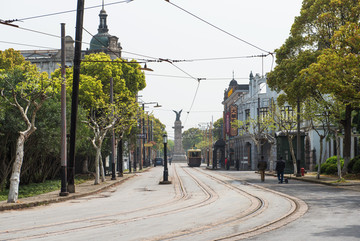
(34,189)
(341,180)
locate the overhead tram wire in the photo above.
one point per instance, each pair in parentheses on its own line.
(222,30)
(151,59)
(28,45)
(186,77)
(193,101)
(197,88)
(64,12)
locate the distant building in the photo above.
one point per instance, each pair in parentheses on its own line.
(103,41)
(50,60)
(241,102)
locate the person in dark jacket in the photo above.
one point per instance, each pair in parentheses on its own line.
(280,167)
(262,165)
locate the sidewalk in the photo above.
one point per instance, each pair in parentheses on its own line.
(324,179)
(81,190)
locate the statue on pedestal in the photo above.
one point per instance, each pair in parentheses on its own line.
(179,153)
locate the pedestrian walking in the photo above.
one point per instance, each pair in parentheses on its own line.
(262,165)
(280,167)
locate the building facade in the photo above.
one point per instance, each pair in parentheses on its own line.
(251,102)
(50,60)
(242,103)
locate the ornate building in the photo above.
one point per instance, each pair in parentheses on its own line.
(103,41)
(50,60)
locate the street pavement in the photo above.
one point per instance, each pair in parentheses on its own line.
(81,190)
(88,188)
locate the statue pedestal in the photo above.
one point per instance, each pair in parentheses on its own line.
(179,153)
(179,158)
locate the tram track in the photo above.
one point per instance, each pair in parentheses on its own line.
(298,209)
(180,194)
(107,220)
(259,205)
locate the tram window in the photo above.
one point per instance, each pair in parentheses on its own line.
(195,154)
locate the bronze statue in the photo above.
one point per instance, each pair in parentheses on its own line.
(178,114)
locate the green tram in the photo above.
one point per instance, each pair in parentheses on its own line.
(194,157)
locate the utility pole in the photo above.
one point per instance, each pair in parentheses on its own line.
(63,191)
(143,138)
(75,94)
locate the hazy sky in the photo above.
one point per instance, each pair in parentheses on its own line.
(155,29)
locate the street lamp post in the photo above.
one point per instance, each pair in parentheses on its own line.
(143,130)
(166,173)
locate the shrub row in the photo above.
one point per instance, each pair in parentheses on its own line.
(354,165)
(329,167)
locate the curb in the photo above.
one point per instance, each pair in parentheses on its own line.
(318,181)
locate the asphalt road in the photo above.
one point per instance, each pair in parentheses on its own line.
(333,214)
(200,204)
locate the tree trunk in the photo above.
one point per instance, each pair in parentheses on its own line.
(290,139)
(15,176)
(85,165)
(97,162)
(347,138)
(338,155)
(102,171)
(258,147)
(320,156)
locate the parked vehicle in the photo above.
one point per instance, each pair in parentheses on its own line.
(158,162)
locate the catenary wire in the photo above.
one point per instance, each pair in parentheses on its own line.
(28,45)
(63,12)
(193,101)
(222,30)
(186,77)
(151,59)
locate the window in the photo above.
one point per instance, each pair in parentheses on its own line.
(247,117)
(262,88)
(247,114)
(264,111)
(287,113)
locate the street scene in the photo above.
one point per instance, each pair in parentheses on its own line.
(180,120)
(200,204)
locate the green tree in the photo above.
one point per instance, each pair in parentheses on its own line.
(26,90)
(318,116)
(94,97)
(337,72)
(310,34)
(192,137)
(158,132)
(218,129)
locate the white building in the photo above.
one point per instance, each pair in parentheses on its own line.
(243,102)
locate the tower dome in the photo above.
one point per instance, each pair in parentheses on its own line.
(233,82)
(103,41)
(100,41)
